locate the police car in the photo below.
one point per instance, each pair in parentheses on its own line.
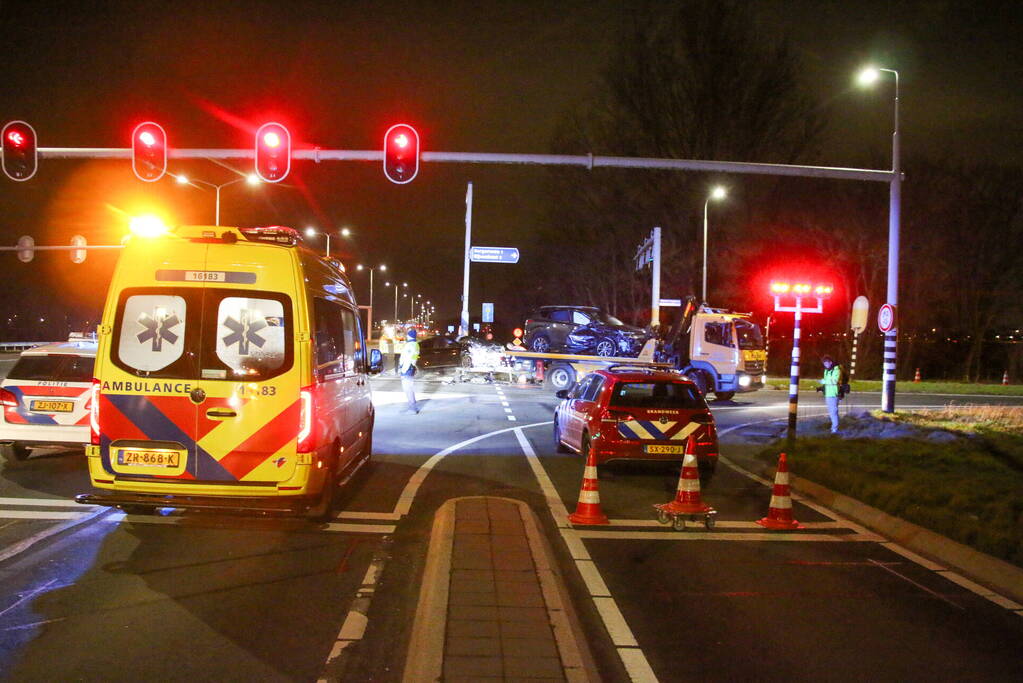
(45,398)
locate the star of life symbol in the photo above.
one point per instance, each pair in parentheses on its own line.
(157,328)
(244,332)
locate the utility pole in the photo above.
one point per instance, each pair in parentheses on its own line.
(463,325)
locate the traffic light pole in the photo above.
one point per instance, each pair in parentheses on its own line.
(587,161)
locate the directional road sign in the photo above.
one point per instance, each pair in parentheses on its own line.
(669,303)
(494,255)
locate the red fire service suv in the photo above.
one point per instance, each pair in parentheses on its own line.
(635,413)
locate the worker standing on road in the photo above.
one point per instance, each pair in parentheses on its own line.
(407,368)
(830,386)
(398,346)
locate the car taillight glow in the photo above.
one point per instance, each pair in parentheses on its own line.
(305,420)
(94,413)
(617,415)
(7,399)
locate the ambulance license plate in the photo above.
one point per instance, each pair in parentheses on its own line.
(53,406)
(664,450)
(147,458)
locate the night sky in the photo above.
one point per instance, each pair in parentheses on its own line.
(470,76)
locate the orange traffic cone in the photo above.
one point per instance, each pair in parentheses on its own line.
(687,496)
(588,511)
(779,514)
(1005,377)
(916,377)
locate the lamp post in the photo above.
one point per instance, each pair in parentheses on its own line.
(717,193)
(251,179)
(867,77)
(369,313)
(313,232)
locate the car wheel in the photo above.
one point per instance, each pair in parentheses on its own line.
(540,344)
(558,446)
(560,377)
(15,452)
(606,348)
(697,378)
(723,395)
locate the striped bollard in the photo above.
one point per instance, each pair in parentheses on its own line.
(794,372)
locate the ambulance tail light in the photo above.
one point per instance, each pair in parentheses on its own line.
(94,413)
(305,420)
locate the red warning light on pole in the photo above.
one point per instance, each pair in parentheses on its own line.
(21,158)
(401,153)
(149,151)
(273,152)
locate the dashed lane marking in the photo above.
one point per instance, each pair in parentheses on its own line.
(42,514)
(45,502)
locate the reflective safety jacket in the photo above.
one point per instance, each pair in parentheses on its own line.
(831,380)
(386,344)
(409,356)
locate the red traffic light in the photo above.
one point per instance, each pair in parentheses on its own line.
(21,158)
(149,151)
(401,153)
(273,152)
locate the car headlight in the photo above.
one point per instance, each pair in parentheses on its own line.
(745,380)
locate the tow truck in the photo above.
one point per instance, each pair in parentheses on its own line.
(720,351)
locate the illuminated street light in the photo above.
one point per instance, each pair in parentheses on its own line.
(717,194)
(369,313)
(250,179)
(868,77)
(345,232)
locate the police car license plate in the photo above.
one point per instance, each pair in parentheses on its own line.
(148,458)
(53,406)
(664,450)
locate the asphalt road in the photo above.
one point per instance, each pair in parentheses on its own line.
(94,594)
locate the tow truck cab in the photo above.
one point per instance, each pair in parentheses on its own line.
(721,351)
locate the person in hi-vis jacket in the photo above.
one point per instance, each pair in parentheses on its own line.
(830,386)
(407,368)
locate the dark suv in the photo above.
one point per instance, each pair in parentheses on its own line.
(581,329)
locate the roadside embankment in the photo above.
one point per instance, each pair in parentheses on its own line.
(910,387)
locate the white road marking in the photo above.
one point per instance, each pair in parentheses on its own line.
(996,598)
(46,502)
(27,543)
(507,410)
(354,626)
(696,533)
(408,494)
(722,524)
(178,519)
(920,586)
(368,515)
(511,418)
(41,514)
(632,656)
(504,403)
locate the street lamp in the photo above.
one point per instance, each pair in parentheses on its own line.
(369,314)
(250,179)
(345,232)
(716,194)
(868,77)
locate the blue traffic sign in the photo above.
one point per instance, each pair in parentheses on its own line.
(488,313)
(494,255)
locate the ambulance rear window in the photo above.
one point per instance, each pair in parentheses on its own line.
(203,333)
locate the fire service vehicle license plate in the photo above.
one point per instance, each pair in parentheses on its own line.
(664,450)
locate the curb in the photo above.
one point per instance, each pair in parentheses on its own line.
(994,573)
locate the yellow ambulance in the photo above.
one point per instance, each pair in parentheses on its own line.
(231,372)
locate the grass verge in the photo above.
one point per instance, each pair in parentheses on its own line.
(912,387)
(970,490)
